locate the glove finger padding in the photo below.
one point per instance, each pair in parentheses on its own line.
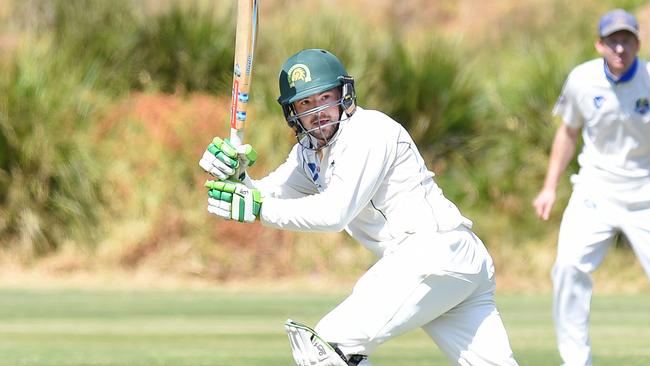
(219,208)
(213,165)
(226,162)
(247,154)
(309,349)
(233,201)
(246,157)
(220,158)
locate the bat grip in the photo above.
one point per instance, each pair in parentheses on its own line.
(236,140)
(236,137)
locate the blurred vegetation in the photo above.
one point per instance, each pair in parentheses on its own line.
(48,191)
(81,166)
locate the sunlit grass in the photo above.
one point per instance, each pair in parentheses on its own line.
(225,327)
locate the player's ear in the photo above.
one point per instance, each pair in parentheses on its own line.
(600,46)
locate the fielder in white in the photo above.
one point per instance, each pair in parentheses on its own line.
(358,170)
(608,99)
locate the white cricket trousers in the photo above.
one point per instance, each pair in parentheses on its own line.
(407,289)
(589,225)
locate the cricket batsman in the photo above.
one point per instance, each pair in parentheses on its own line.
(359,170)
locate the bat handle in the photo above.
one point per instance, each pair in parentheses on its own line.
(236,140)
(236,137)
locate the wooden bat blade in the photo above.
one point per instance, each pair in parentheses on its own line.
(247,22)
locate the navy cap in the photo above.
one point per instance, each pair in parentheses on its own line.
(618,20)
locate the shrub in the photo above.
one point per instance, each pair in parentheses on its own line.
(428,90)
(186,49)
(49,190)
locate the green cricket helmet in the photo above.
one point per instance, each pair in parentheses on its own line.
(310,72)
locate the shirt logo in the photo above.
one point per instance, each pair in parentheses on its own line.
(598,101)
(314,171)
(642,106)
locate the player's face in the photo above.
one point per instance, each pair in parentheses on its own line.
(322,125)
(619,50)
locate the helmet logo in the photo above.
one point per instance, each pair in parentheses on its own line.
(298,72)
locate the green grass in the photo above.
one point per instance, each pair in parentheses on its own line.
(73,327)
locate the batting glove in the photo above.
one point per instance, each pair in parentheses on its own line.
(233,201)
(226,162)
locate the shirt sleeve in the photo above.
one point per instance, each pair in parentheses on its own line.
(362,165)
(567,107)
(286,181)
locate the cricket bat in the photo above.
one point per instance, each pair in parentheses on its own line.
(247,22)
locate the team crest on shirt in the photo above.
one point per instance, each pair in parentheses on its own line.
(598,101)
(642,106)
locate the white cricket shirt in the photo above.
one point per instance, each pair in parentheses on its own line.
(371,182)
(615,122)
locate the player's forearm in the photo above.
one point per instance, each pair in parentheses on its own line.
(327,211)
(314,213)
(562,152)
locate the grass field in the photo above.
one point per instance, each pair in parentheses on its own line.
(232,328)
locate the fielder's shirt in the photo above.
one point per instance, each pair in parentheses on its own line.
(615,121)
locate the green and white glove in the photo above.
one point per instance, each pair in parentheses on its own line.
(233,201)
(226,162)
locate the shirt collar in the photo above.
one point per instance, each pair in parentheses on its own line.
(629,74)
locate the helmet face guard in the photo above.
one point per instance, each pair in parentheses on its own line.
(316,137)
(310,72)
